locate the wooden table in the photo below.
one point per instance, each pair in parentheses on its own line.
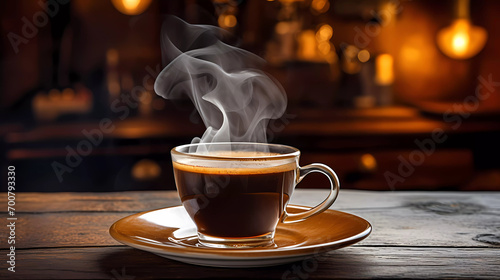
(416,235)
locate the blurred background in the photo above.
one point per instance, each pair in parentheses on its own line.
(392,94)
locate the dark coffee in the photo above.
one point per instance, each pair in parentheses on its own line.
(235,202)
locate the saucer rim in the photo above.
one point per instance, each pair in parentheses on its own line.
(201,253)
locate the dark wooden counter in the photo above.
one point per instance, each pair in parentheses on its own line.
(416,235)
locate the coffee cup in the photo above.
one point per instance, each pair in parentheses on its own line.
(237,193)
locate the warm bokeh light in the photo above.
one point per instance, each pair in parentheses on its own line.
(283,27)
(384,70)
(316,46)
(307,45)
(323,36)
(146,169)
(131,4)
(67,94)
(350,62)
(461,40)
(324,47)
(227,21)
(131,7)
(324,33)
(320,6)
(367,163)
(363,55)
(388,11)
(417,57)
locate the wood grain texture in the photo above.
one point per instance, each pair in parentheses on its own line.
(147,200)
(354,263)
(94,202)
(399,226)
(415,235)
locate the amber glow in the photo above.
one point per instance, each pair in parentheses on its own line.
(146,170)
(324,47)
(363,55)
(350,63)
(227,21)
(320,6)
(460,43)
(384,70)
(416,57)
(316,46)
(131,7)
(367,163)
(283,28)
(68,94)
(324,33)
(307,45)
(323,36)
(131,4)
(461,39)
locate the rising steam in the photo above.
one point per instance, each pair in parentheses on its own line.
(234,98)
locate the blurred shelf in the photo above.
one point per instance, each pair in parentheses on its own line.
(314,123)
(131,128)
(382,121)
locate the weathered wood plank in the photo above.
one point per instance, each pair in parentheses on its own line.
(416,235)
(94,202)
(147,200)
(411,226)
(64,229)
(400,226)
(354,262)
(355,199)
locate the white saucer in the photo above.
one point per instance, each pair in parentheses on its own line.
(170,233)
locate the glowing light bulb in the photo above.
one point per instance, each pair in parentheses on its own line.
(461,39)
(460,43)
(131,7)
(131,4)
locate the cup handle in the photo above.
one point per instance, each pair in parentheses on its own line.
(334,192)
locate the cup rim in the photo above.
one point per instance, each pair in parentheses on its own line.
(295,152)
